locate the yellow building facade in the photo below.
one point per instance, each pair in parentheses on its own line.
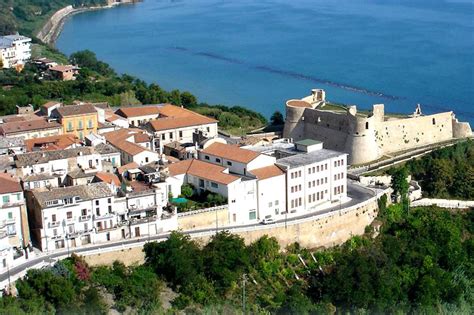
(80,120)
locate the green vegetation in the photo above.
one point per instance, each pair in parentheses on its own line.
(196,201)
(277,119)
(445,173)
(98,82)
(420,263)
(27,16)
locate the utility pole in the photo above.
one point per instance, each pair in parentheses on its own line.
(217,221)
(244,280)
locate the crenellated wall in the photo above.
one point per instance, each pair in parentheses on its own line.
(367,138)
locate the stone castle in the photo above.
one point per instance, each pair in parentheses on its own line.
(367,137)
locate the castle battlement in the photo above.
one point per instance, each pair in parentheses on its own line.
(365,136)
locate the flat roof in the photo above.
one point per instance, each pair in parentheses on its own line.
(308,142)
(302,159)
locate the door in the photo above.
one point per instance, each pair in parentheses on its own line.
(137,231)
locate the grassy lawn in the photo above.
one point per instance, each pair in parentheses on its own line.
(38,51)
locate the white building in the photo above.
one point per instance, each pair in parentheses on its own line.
(139,115)
(14,50)
(55,165)
(240,191)
(316,177)
(237,160)
(13,222)
(71,217)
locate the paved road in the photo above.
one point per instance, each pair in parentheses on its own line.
(356,192)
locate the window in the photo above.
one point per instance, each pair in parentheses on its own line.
(53,218)
(229,163)
(86,227)
(214,185)
(146,160)
(218,160)
(80,124)
(299,173)
(6,199)
(171,135)
(434,121)
(276,202)
(10,215)
(97,202)
(180,134)
(201,183)
(206,157)
(69,126)
(110,209)
(252,214)
(109,200)
(270,204)
(208,129)
(84,212)
(55,232)
(367,125)
(89,123)
(69,215)
(97,211)
(163,137)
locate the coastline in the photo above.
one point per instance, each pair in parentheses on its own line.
(53,27)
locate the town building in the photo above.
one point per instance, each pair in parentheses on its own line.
(44,169)
(179,124)
(63,72)
(239,191)
(14,233)
(51,143)
(12,145)
(15,51)
(30,129)
(139,115)
(134,145)
(316,177)
(71,217)
(80,120)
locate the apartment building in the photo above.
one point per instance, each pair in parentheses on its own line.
(240,191)
(14,234)
(71,217)
(316,177)
(80,120)
(134,145)
(139,115)
(50,168)
(237,160)
(30,128)
(179,124)
(15,50)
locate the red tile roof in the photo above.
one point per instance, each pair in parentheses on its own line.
(267,172)
(108,178)
(25,126)
(122,169)
(172,117)
(138,111)
(231,152)
(202,170)
(9,184)
(59,142)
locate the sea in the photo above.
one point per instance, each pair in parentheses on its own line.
(258,54)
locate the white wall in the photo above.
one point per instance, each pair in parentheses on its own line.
(272,197)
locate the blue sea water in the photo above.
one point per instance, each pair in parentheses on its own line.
(260,53)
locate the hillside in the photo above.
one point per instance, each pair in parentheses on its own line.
(27,16)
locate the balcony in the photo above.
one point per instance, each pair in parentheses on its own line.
(54,224)
(83,218)
(4,223)
(134,221)
(135,209)
(104,216)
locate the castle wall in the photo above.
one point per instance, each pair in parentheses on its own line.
(404,134)
(461,129)
(294,123)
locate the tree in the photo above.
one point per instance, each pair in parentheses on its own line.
(277,119)
(188,99)
(187,191)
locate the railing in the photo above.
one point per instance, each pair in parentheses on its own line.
(54,224)
(84,217)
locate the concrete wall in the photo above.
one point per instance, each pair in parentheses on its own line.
(128,256)
(202,220)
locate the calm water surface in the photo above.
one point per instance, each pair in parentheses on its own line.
(260,53)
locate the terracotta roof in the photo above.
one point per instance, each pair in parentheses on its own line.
(63,68)
(141,137)
(108,178)
(9,184)
(298,103)
(172,117)
(58,142)
(118,138)
(73,110)
(127,167)
(138,111)
(231,152)
(50,104)
(267,172)
(203,170)
(129,147)
(25,126)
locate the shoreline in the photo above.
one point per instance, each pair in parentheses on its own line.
(53,27)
